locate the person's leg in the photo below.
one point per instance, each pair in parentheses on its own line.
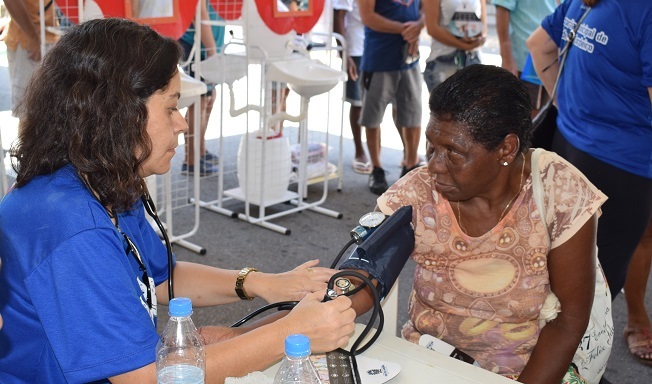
(409,115)
(625,215)
(378,89)
(207,166)
(373,145)
(399,128)
(279,90)
(354,97)
(638,333)
(207,107)
(411,138)
(356,131)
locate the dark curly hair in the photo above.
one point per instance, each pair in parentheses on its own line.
(86,106)
(489,101)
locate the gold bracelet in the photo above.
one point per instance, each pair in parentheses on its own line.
(239,283)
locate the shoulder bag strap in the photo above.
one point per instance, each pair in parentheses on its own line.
(562,55)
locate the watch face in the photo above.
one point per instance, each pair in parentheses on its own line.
(372,219)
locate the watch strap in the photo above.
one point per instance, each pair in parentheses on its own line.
(239,283)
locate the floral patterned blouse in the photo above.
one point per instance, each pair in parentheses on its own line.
(484,294)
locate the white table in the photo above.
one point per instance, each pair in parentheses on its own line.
(419,364)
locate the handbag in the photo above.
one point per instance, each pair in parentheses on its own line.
(544,124)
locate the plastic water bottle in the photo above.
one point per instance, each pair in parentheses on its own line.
(296,367)
(180,355)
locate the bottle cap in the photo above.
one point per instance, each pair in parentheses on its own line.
(297,345)
(180,306)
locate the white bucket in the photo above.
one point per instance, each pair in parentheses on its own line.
(277,168)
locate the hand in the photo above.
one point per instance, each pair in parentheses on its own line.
(289,286)
(471,43)
(352,69)
(328,325)
(411,31)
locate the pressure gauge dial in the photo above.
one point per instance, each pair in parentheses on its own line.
(372,219)
(368,223)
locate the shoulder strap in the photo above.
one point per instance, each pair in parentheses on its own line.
(564,52)
(537,187)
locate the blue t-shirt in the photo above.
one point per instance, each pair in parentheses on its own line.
(603,99)
(383,52)
(72,298)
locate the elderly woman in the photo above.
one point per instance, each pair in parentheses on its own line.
(82,269)
(505,236)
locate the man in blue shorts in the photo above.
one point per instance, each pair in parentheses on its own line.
(390,73)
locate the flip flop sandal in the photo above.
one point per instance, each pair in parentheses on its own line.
(362,168)
(641,347)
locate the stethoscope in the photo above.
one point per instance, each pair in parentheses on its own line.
(150,208)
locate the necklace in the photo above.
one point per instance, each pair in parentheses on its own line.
(502,215)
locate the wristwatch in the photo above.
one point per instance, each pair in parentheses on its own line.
(368,223)
(239,283)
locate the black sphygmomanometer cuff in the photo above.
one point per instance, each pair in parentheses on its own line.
(384,253)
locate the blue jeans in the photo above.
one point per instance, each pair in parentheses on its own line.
(445,66)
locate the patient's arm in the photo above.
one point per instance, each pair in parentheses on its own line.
(363,300)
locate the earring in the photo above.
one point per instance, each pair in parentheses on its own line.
(505,163)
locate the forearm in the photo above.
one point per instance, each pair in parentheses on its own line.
(252,351)
(208,286)
(445,37)
(375,21)
(432,12)
(502,30)
(381,24)
(327,325)
(483,11)
(572,273)
(204,285)
(338,21)
(544,51)
(362,301)
(339,26)
(562,336)
(206,35)
(21,17)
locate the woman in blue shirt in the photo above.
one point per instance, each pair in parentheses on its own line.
(83,270)
(605,113)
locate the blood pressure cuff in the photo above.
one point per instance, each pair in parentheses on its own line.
(384,253)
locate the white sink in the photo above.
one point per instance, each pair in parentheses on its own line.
(305,76)
(190,87)
(223,68)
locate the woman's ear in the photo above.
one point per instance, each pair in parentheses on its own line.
(509,149)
